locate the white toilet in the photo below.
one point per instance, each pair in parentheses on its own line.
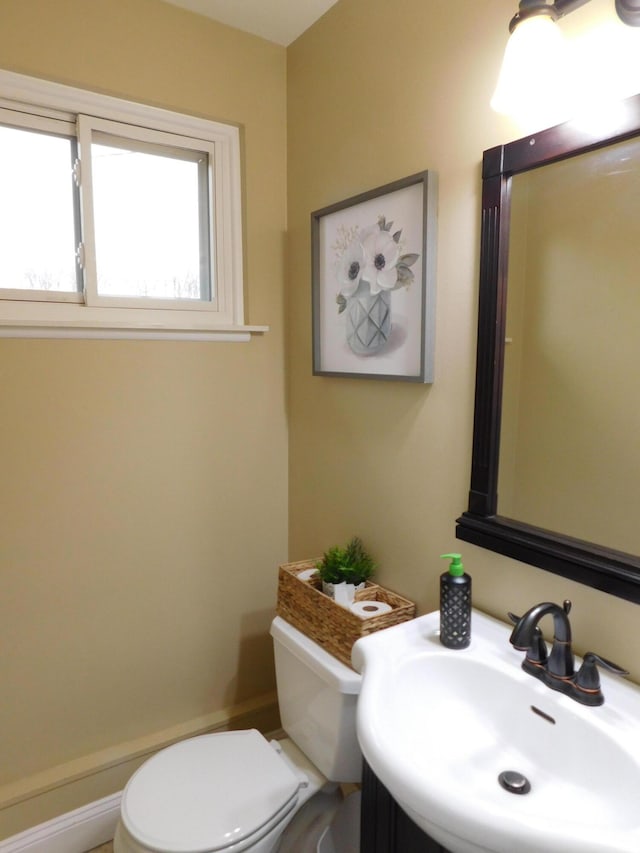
(235,791)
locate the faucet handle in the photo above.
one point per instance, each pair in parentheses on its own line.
(588,677)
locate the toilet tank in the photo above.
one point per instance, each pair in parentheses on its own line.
(317,695)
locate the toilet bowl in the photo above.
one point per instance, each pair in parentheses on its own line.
(231,792)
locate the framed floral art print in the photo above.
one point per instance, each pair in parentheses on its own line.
(373,282)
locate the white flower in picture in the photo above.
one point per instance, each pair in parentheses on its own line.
(350,267)
(382,253)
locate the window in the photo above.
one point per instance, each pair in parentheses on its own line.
(148,224)
(37,224)
(116,219)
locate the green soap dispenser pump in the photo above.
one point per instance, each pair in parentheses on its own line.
(455,605)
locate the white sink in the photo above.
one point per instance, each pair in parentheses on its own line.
(438,727)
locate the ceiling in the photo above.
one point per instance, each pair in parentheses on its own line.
(280,21)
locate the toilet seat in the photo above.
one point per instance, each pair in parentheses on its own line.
(220,792)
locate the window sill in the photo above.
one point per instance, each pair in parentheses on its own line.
(237,334)
(57,320)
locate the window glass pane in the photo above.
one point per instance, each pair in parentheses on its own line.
(37,236)
(151,220)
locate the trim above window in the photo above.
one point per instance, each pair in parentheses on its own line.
(208,304)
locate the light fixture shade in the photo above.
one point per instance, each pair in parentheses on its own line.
(533,85)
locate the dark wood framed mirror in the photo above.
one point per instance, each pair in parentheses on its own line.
(584,546)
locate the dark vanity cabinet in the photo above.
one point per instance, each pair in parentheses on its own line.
(385,828)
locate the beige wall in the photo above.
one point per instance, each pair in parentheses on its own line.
(380,90)
(144,484)
(138,558)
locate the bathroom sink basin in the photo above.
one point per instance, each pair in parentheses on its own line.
(439,727)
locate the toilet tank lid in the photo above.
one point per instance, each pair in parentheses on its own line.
(330,669)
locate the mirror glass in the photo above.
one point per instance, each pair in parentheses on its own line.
(555,471)
(570,428)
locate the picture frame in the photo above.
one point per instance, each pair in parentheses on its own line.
(373,282)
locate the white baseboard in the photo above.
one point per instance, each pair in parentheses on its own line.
(74,832)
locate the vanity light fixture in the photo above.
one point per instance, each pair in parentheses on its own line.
(535,76)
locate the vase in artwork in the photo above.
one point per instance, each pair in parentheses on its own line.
(368,320)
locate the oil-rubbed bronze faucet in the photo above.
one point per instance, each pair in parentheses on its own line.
(557,671)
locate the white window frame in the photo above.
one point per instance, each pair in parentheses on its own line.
(91,316)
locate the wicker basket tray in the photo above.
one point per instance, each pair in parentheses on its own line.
(303,604)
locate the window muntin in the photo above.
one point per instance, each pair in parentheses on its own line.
(38,230)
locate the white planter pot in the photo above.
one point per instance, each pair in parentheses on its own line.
(342,593)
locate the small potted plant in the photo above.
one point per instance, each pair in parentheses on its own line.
(344,570)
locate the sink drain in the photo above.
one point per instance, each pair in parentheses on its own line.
(514,782)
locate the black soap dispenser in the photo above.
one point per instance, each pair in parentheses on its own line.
(455,605)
